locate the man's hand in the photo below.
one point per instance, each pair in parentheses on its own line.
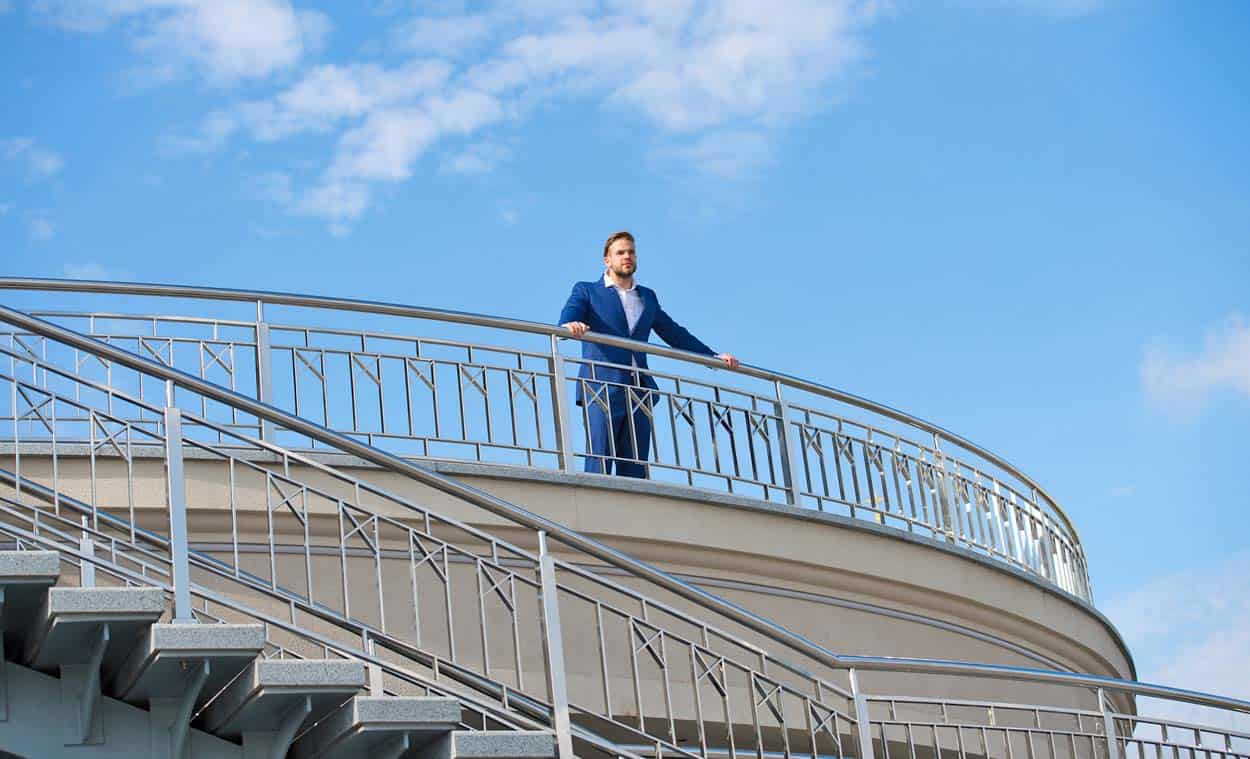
(577,328)
(730,360)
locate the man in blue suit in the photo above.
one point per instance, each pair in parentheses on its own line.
(618,407)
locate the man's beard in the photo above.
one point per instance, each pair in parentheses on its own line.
(624,271)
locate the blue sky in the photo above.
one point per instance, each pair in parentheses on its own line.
(1026,220)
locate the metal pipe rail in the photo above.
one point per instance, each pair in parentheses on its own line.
(596,549)
(517,325)
(936,490)
(1118,727)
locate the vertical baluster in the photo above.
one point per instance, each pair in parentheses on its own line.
(785,449)
(264,368)
(564,440)
(1108,724)
(553,648)
(175,483)
(862,724)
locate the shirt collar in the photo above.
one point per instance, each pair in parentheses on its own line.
(608,283)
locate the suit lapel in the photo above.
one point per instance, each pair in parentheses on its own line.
(610,306)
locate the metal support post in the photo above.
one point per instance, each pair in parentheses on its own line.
(86,547)
(1108,726)
(553,647)
(564,441)
(863,725)
(373,671)
(789,467)
(264,368)
(176,488)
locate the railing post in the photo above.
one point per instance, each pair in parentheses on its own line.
(564,440)
(789,468)
(176,488)
(863,725)
(86,546)
(553,648)
(1108,726)
(264,368)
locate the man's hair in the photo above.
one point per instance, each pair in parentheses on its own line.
(622,235)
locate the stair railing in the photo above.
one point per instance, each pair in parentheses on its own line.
(764,686)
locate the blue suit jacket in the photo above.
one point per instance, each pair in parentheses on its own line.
(600,307)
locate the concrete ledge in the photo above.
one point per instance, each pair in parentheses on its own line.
(110,602)
(29,566)
(496,744)
(364,724)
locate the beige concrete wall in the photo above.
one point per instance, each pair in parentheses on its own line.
(855,589)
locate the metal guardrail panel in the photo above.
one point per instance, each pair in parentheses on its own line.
(754,432)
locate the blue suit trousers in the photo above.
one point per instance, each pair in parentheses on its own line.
(614,441)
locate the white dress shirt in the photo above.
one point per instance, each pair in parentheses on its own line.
(631,300)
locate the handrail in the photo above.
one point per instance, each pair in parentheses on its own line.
(433,479)
(596,549)
(517,325)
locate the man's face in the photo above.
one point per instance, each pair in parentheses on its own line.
(621,259)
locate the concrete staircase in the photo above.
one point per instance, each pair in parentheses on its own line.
(90,672)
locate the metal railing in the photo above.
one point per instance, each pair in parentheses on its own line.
(753,432)
(812,702)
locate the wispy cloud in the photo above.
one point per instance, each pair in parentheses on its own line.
(40,226)
(479,158)
(86,270)
(1184,381)
(1121,491)
(714,83)
(40,162)
(1052,8)
(1191,629)
(225,41)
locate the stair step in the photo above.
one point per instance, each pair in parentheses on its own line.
(494,744)
(25,577)
(270,689)
(369,725)
(70,624)
(160,664)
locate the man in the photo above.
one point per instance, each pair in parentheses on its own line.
(618,408)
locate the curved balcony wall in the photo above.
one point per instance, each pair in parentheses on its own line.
(406,380)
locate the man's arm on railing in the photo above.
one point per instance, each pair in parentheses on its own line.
(573,315)
(679,337)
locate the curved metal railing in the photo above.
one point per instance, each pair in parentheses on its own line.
(811,702)
(752,432)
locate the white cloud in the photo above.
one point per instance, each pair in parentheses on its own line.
(1191,629)
(1121,491)
(85,270)
(329,94)
(40,226)
(728,154)
(1185,383)
(714,82)
(275,186)
(40,162)
(226,41)
(509,216)
(448,36)
(479,158)
(1053,8)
